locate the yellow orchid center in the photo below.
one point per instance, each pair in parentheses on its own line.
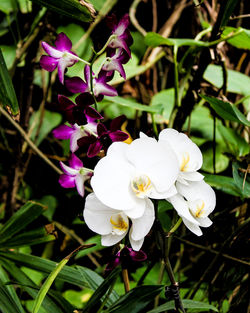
(184,163)
(200,210)
(119,223)
(141,185)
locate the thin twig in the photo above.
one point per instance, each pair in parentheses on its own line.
(132,12)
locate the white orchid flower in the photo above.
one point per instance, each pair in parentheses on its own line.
(130,174)
(113,225)
(187,152)
(194,203)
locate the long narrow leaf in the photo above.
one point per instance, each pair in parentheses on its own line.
(23,217)
(7,92)
(7,304)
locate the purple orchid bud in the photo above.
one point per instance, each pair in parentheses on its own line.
(123,38)
(59,56)
(100,86)
(74,175)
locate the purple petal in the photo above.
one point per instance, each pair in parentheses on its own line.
(117,122)
(118,136)
(113,264)
(65,103)
(48,63)
(84,99)
(91,112)
(114,65)
(104,89)
(94,149)
(76,85)
(127,37)
(68,170)
(62,64)
(101,129)
(87,74)
(67,181)
(122,25)
(75,162)
(111,21)
(86,140)
(137,255)
(63,43)
(80,184)
(51,51)
(63,132)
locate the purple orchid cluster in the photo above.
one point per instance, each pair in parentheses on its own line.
(84,127)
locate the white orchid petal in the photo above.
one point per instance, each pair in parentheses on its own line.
(68,170)
(192,227)
(112,239)
(192,176)
(136,244)
(205,222)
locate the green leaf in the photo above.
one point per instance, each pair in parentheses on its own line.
(237,82)
(241,180)
(7,303)
(154,40)
(130,103)
(223,183)
(70,8)
(49,122)
(9,54)
(187,304)
(236,144)
(8,6)
(7,92)
(101,290)
(221,161)
(77,298)
(226,110)
(229,8)
(50,202)
(98,246)
(136,299)
(241,41)
(23,217)
(47,284)
(165,100)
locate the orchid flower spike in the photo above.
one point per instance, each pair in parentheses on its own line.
(75,174)
(130,174)
(100,87)
(59,56)
(187,152)
(194,202)
(113,225)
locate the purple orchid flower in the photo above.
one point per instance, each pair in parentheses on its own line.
(80,113)
(75,174)
(75,132)
(100,87)
(105,137)
(114,61)
(124,256)
(59,56)
(123,38)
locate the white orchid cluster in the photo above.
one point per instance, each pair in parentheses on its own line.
(130,175)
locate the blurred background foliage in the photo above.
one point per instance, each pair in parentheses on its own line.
(194,76)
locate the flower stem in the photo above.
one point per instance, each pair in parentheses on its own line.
(176,78)
(154,125)
(125,279)
(106,45)
(176,226)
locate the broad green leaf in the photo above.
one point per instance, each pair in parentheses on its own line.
(70,8)
(237,82)
(77,298)
(241,180)
(165,100)
(7,92)
(10,289)
(136,299)
(138,47)
(75,32)
(235,144)
(226,110)
(241,41)
(113,110)
(154,40)
(187,304)
(49,121)
(223,183)
(221,161)
(25,6)
(130,103)
(88,278)
(101,290)
(47,284)
(9,54)
(98,246)
(8,6)
(50,202)
(23,217)
(28,238)
(28,285)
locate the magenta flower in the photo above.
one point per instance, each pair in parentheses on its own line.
(81,112)
(122,38)
(114,61)
(125,257)
(105,137)
(74,175)
(75,132)
(100,87)
(59,56)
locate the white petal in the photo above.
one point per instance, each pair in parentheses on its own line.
(142,135)
(163,195)
(205,222)
(79,180)
(136,244)
(192,176)
(181,206)
(68,170)
(112,239)
(97,215)
(138,209)
(141,226)
(73,140)
(192,227)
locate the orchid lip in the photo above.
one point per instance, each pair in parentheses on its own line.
(141,185)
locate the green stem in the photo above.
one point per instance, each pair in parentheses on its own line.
(176,226)
(176,78)
(106,45)
(154,125)
(215,42)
